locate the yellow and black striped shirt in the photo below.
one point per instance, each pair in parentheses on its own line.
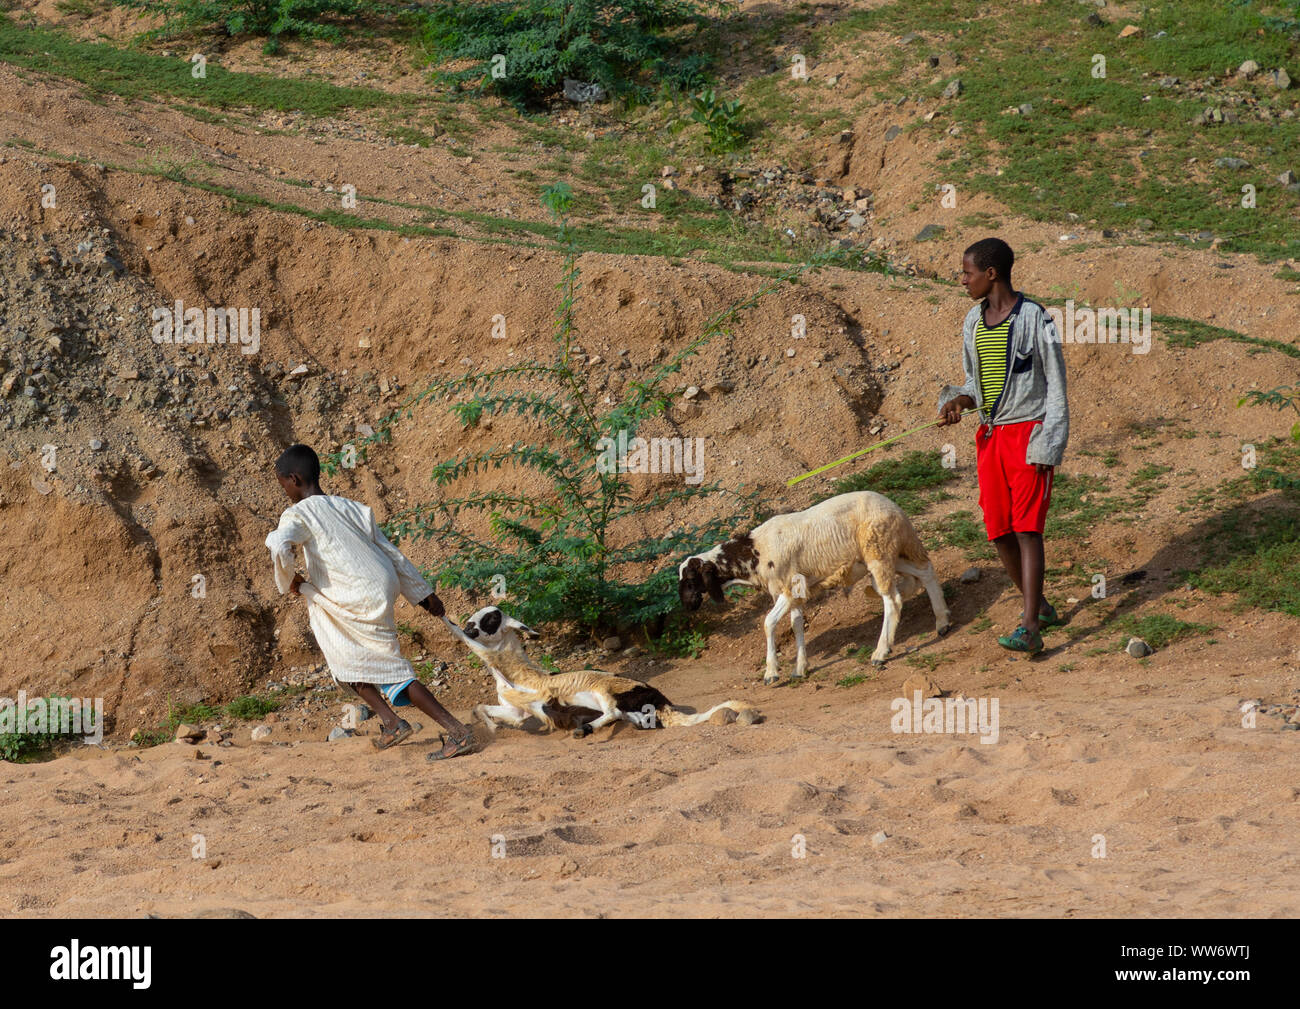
(991,350)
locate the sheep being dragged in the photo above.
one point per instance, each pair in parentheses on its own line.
(587,699)
(835,543)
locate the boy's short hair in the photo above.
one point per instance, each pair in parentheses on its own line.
(995,253)
(300,460)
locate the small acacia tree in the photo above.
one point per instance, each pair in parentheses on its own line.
(576,552)
(523,49)
(1284,397)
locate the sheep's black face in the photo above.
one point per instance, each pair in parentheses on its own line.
(486,621)
(690,586)
(699,577)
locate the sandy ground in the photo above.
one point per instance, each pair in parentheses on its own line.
(1195,813)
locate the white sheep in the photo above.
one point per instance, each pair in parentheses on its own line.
(836,542)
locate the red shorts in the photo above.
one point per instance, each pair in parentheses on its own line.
(1013,494)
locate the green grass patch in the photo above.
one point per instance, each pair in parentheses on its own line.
(907,481)
(135,74)
(963,529)
(1138,136)
(1189,333)
(1159,630)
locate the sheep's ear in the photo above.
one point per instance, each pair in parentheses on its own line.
(712,585)
(522,628)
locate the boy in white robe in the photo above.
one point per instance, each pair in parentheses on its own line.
(353,577)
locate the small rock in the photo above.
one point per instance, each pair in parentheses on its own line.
(691,392)
(1248,69)
(930,231)
(789,352)
(954,88)
(1287,178)
(1137,648)
(298,372)
(879,838)
(1128,31)
(922,683)
(261,731)
(338,732)
(1235,164)
(856,221)
(1281,79)
(668,171)
(95,444)
(612,643)
(1145,224)
(1025,110)
(188,733)
(891,133)
(970,575)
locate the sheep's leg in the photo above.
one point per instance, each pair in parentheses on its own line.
(801,654)
(608,713)
(882,576)
(942,618)
(490,714)
(778,610)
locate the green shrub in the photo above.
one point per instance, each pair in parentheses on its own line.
(21,746)
(274,19)
(721,120)
(623,45)
(251,707)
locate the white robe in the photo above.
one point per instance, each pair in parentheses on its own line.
(355,576)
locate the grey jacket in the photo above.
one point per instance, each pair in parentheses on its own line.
(1035,386)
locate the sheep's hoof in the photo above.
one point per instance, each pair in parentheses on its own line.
(771,681)
(941,631)
(878,663)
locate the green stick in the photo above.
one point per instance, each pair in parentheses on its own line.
(880,444)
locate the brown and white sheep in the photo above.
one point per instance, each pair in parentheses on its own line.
(834,543)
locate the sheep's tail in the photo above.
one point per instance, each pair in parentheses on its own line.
(669,715)
(911,547)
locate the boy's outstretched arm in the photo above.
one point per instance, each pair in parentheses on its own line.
(410,582)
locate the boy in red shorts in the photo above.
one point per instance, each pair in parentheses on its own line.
(1015,378)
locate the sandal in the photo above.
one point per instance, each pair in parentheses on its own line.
(460,744)
(1048,617)
(1022,640)
(391,737)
